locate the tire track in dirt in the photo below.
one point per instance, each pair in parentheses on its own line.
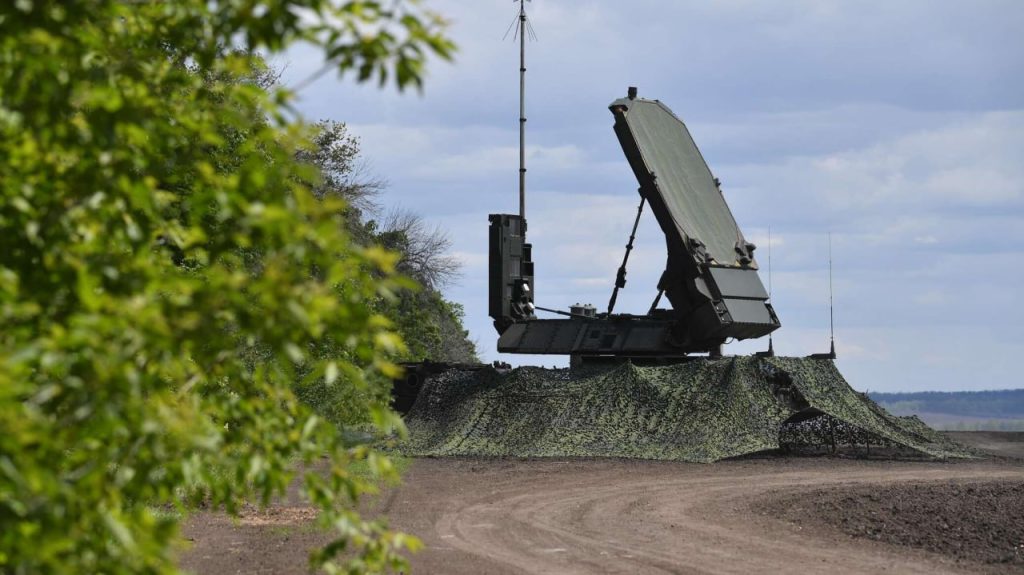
(600,516)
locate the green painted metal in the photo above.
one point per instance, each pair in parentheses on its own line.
(681,177)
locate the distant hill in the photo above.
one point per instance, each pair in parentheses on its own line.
(1001,410)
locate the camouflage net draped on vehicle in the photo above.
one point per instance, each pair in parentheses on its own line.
(702,411)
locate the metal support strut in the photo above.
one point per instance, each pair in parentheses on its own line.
(654,304)
(620,277)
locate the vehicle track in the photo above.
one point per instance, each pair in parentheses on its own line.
(624,516)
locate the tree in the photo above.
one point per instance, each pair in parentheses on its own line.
(431,327)
(143,352)
(422,249)
(342,174)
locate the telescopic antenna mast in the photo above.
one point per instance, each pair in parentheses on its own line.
(522,28)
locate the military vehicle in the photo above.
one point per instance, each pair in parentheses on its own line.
(668,393)
(657,386)
(710,278)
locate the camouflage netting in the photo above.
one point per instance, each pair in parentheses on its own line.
(703,410)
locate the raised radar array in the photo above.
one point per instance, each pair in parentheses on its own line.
(710,280)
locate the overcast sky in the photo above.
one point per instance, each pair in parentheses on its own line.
(896,125)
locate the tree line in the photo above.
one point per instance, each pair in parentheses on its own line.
(994,404)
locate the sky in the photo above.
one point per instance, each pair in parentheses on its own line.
(897,126)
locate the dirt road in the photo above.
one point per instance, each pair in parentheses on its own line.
(609,516)
(644,517)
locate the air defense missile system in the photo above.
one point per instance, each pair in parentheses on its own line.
(654,385)
(657,385)
(710,280)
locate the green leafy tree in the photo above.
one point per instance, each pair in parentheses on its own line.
(343,175)
(431,327)
(144,352)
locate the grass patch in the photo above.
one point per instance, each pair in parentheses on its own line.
(362,470)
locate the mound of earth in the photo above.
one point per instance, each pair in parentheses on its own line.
(702,411)
(980,522)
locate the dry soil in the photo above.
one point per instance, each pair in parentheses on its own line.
(757,515)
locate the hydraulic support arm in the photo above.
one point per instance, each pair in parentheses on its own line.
(620,277)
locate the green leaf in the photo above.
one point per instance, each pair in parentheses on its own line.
(184,314)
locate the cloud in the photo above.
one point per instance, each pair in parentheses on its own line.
(958,184)
(474,260)
(902,252)
(496,159)
(899,127)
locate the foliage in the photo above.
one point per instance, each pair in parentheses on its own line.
(142,349)
(342,174)
(430,325)
(422,248)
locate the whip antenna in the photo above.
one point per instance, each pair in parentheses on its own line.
(522,28)
(770,352)
(771,348)
(831,315)
(769,265)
